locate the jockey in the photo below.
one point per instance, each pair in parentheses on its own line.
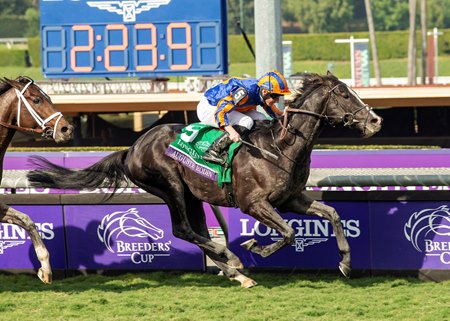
(233,103)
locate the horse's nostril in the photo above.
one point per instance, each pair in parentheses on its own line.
(376,120)
(66,129)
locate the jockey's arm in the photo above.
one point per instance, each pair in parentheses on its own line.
(225,106)
(234,135)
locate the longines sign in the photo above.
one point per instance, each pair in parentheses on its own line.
(16,248)
(315,242)
(382,235)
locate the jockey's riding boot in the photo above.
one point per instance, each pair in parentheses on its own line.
(215,152)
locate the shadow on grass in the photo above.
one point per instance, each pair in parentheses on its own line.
(114,282)
(119,283)
(319,279)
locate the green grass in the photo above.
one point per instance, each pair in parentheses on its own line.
(389,68)
(13,72)
(191,296)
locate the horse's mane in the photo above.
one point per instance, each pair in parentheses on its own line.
(6,83)
(308,83)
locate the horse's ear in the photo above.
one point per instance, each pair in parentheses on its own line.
(8,81)
(24,79)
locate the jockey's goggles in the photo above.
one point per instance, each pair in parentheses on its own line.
(275,96)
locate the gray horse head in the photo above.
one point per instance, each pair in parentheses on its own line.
(341,106)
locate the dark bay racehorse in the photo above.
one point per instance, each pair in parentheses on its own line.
(259,183)
(25,107)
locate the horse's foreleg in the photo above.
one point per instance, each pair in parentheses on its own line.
(12,216)
(217,251)
(265,213)
(197,219)
(306,205)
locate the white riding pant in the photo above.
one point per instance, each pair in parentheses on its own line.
(205,113)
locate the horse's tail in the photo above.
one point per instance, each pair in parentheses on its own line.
(108,172)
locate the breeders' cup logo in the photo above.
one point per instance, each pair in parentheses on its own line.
(128,9)
(116,230)
(307,232)
(425,226)
(13,235)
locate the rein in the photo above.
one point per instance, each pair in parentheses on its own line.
(46,131)
(348,118)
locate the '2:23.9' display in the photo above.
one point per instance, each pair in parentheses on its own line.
(133,38)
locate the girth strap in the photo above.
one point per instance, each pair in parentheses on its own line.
(229,194)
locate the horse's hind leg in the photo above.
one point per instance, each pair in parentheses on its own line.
(305,204)
(197,219)
(12,216)
(173,192)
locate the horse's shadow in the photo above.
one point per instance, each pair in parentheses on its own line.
(77,272)
(60,259)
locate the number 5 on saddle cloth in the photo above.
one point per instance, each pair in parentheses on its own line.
(190,146)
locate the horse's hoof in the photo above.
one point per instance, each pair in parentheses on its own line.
(45,277)
(248,245)
(345,269)
(248,283)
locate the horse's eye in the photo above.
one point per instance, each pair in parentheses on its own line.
(36,100)
(344,93)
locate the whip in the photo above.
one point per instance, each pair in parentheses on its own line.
(272,155)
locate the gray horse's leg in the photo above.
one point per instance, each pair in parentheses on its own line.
(306,205)
(12,216)
(264,212)
(183,230)
(234,274)
(173,193)
(197,219)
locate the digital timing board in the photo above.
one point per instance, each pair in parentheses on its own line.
(133,38)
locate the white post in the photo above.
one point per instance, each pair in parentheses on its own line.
(287,61)
(268,36)
(352,59)
(436,54)
(352,42)
(435,34)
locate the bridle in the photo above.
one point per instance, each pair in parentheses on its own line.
(348,119)
(46,131)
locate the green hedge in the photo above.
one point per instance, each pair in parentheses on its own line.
(12,26)
(12,57)
(392,44)
(304,47)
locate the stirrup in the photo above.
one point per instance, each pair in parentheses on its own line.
(210,157)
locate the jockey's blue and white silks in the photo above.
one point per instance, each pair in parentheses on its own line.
(235,94)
